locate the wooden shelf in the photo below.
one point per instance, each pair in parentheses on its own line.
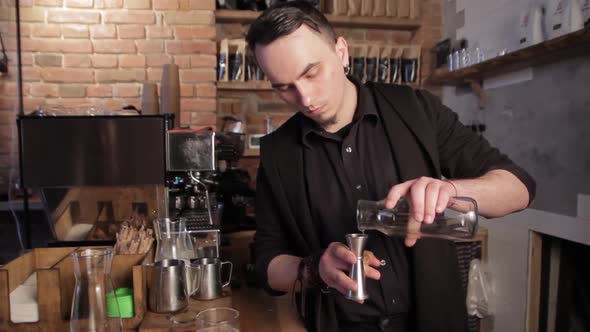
(557,49)
(248,16)
(246,86)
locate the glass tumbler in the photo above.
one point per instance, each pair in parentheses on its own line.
(218,320)
(183,322)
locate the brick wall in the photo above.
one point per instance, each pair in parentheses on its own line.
(253,107)
(99,52)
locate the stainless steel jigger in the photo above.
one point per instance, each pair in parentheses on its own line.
(357,243)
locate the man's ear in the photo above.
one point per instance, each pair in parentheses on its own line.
(342,50)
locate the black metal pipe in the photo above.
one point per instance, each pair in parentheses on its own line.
(26,229)
(19,61)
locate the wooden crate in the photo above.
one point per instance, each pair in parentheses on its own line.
(55,287)
(82,205)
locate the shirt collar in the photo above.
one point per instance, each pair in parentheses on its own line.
(365,109)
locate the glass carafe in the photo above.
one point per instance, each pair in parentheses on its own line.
(89,312)
(173,241)
(458,221)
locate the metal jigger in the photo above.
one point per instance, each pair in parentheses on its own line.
(357,243)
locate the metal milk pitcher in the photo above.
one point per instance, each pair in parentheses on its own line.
(210,285)
(169,284)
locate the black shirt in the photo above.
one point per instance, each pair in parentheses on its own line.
(341,168)
(429,140)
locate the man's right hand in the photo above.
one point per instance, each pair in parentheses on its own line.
(337,259)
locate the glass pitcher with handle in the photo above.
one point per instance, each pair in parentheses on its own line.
(173,240)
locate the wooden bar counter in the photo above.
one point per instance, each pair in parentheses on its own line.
(258,312)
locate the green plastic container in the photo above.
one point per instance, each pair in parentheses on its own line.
(124,298)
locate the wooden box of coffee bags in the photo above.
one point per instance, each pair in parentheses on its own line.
(403,8)
(236,59)
(391,8)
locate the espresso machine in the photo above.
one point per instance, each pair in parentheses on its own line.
(212,188)
(190,167)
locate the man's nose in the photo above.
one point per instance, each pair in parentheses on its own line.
(306,102)
(304,91)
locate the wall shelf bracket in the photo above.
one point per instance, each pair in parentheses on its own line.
(476,86)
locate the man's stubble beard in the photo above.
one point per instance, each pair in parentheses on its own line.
(332,120)
(327,122)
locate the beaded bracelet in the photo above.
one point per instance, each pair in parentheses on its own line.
(308,272)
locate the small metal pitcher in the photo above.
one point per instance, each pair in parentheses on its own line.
(168,284)
(210,285)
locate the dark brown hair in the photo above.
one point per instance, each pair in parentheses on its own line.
(283,18)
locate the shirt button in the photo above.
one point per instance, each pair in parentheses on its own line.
(383,262)
(393,301)
(349,149)
(359,187)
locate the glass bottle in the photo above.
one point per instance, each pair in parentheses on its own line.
(89,312)
(450,61)
(458,221)
(173,240)
(457,59)
(465,58)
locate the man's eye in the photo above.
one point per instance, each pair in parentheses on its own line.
(312,73)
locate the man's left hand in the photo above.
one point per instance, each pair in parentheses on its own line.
(426,196)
